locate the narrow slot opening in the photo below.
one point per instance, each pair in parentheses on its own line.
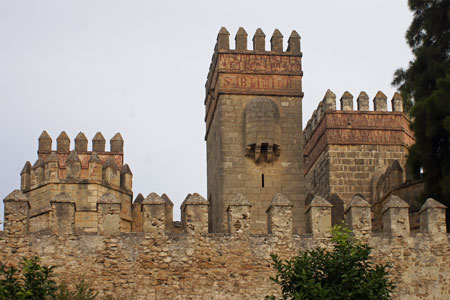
(262,180)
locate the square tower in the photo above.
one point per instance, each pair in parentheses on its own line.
(253,127)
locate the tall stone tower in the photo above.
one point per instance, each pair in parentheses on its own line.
(253,126)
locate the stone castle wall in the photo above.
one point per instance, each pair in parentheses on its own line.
(195,264)
(75,210)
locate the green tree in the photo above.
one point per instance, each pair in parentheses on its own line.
(346,272)
(425,87)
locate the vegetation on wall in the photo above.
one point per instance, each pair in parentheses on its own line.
(425,87)
(345,272)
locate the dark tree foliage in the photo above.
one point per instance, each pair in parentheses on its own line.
(425,87)
(346,272)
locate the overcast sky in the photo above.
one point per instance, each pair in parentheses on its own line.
(139,68)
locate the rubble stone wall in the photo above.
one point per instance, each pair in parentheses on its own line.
(194,264)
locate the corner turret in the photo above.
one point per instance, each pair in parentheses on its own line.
(82,175)
(345,148)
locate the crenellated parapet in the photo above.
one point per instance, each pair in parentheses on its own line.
(256,71)
(347,125)
(346,148)
(193,257)
(64,165)
(79,173)
(394,182)
(154,214)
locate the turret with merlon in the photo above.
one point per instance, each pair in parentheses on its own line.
(345,148)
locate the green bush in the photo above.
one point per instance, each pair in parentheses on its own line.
(345,272)
(83,291)
(35,282)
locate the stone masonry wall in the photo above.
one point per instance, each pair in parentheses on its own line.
(352,167)
(317,180)
(194,264)
(347,150)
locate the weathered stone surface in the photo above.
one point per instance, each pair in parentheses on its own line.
(63,143)
(345,150)
(358,216)
(45,143)
(81,143)
(116,143)
(318,217)
(261,92)
(396,216)
(432,218)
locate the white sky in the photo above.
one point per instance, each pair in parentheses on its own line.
(139,68)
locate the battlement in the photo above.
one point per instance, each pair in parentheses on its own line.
(78,165)
(153,215)
(76,179)
(355,127)
(253,72)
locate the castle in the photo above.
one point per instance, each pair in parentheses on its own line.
(272,188)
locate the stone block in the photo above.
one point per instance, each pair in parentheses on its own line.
(153,214)
(223,39)
(363,101)
(116,143)
(241,39)
(25,177)
(111,173)
(108,214)
(63,143)
(318,217)
(126,178)
(347,101)
(276,41)
(168,212)
(279,216)
(380,102)
(259,40)
(95,167)
(98,142)
(45,143)
(136,214)
(239,215)
(329,101)
(432,218)
(294,43)
(396,216)
(73,166)
(81,143)
(358,216)
(397,103)
(194,214)
(62,216)
(51,168)
(16,210)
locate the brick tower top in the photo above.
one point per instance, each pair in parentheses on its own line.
(259,71)
(346,126)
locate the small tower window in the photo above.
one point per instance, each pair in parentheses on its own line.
(262,180)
